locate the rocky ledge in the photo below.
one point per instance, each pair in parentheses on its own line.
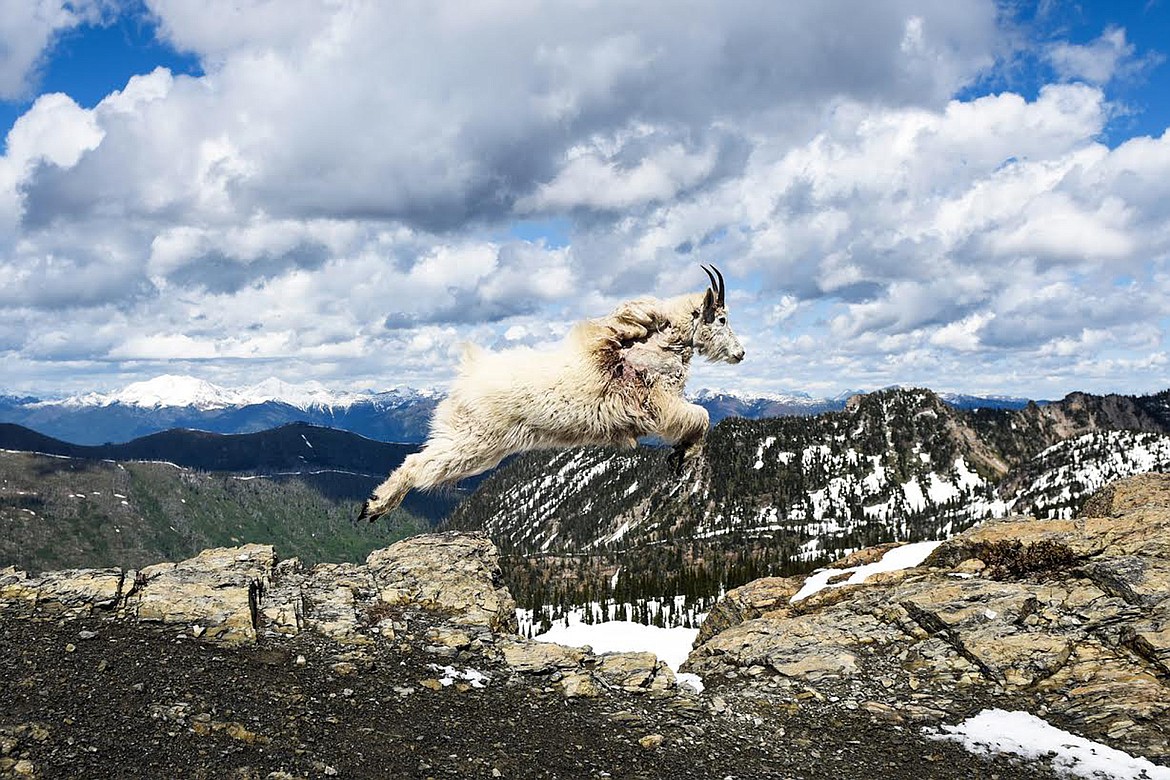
(1069,618)
(244,594)
(237,664)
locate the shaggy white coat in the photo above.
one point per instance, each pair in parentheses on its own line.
(613,380)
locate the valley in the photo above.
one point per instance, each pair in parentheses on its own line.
(618,530)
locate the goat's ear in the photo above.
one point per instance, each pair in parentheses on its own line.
(709,306)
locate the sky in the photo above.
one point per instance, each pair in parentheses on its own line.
(969,196)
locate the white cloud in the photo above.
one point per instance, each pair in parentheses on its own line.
(1099,61)
(54,131)
(335,194)
(592,180)
(174,346)
(961,335)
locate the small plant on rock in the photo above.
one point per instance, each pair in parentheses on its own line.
(1012,559)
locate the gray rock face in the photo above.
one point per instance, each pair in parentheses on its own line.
(455,572)
(232,594)
(1072,613)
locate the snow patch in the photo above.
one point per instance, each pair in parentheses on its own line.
(671,645)
(768,442)
(449,674)
(905,557)
(1025,735)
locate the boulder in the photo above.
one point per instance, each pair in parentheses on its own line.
(580,685)
(540,657)
(585,675)
(217,591)
(454,572)
(77,591)
(747,602)
(635,672)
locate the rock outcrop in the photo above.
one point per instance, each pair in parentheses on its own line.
(234,594)
(1071,617)
(238,595)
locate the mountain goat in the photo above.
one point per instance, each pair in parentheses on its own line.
(613,380)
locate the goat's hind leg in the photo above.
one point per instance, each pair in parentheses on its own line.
(390,494)
(436,465)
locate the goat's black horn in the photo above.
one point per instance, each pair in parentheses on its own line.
(722,287)
(714,284)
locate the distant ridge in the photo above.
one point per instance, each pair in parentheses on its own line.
(297,446)
(396,415)
(342,466)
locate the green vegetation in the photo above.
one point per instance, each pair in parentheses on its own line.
(63,512)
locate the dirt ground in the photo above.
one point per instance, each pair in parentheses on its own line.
(99,698)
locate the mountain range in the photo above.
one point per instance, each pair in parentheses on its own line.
(168,402)
(780,495)
(396,415)
(774,495)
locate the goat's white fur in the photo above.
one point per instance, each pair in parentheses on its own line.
(612,380)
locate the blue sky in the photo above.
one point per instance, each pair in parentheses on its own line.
(970,196)
(90,61)
(1142,93)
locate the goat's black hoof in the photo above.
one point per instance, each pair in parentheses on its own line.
(367,513)
(676,460)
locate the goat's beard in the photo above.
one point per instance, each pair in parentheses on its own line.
(718,354)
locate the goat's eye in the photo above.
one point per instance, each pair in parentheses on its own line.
(722,320)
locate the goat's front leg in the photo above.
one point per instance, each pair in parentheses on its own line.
(685,424)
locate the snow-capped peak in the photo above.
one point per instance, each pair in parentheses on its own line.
(308,394)
(795,396)
(163,391)
(187,391)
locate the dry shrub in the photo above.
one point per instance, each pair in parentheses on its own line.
(1012,559)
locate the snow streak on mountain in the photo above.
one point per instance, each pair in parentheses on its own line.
(896,465)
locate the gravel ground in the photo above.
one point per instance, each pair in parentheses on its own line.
(99,698)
